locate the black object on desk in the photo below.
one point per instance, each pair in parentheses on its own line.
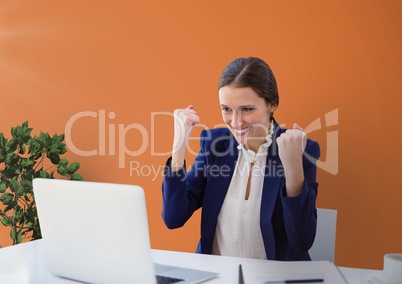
(296,281)
(241,279)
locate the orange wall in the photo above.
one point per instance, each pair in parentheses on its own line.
(132,58)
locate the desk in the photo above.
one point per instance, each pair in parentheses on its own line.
(24,263)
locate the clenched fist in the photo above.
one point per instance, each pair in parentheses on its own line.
(291,145)
(184,121)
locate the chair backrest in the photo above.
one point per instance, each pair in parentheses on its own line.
(324,244)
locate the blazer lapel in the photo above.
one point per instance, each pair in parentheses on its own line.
(274,175)
(222,174)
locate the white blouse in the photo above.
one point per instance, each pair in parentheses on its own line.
(238,230)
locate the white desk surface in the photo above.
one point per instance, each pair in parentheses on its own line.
(24,263)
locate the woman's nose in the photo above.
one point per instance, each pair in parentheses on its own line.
(236,120)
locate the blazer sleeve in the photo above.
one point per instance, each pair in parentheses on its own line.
(182,191)
(299,212)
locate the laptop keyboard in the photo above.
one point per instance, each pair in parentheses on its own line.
(166,280)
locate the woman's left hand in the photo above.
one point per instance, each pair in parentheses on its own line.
(291,145)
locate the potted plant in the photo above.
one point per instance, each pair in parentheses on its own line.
(23,158)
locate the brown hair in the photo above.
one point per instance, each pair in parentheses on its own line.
(251,72)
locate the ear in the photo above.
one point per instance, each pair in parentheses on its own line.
(271,108)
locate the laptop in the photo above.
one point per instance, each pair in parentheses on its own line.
(98,233)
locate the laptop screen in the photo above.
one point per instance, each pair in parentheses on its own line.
(94,232)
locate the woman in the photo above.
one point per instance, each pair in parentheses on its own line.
(256,183)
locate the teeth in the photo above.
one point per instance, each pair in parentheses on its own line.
(242,131)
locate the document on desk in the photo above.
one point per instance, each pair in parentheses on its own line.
(273,272)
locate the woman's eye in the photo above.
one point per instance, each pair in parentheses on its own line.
(247,109)
(225,109)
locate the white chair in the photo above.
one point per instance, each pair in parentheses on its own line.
(324,244)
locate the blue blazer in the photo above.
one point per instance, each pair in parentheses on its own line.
(288,224)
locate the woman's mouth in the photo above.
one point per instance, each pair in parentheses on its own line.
(242,131)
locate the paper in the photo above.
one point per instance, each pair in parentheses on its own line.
(282,271)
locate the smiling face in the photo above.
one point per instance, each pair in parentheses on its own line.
(246,114)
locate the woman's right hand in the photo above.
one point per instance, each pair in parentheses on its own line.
(184,121)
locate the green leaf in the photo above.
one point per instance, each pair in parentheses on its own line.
(35,147)
(37,157)
(22,149)
(58,138)
(11,145)
(19,238)
(26,162)
(63,162)
(26,183)
(6,198)
(10,171)
(26,138)
(9,207)
(55,148)
(42,174)
(16,187)
(76,177)
(28,175)
(26,131)
(73,167)
(45,139)
(54,158)
(3,187)
(16,239)
(5,221)
(3,141)
(19,214)
(12,158)
(14,133)
(62,170)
